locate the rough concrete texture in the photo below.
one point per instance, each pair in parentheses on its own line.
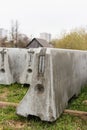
(54,76)
(57,75)
(16,65)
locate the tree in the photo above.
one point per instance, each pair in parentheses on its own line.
(76,39)
(23,40)
(14,32)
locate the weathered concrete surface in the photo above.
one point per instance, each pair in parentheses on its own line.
(5,72)
(57,75)
(54,75)
(16,65)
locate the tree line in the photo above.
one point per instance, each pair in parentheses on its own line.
(75,39)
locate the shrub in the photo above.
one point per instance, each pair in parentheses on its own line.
(76,39)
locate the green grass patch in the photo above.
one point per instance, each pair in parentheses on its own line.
(12,93)
(10,121)
(77,102)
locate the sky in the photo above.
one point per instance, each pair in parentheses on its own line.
(37,16)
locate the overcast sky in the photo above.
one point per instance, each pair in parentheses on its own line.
(35,16)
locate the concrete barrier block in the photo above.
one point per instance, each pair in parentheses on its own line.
(5,71)
(17,58)
(58,74)
(54,76)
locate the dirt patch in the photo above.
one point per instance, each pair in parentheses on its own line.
(6,104)
(3,96)
(85,102)
(15,124)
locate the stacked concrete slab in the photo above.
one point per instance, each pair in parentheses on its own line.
(54,76)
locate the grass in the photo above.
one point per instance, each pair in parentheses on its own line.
(77,102)
(12,93)
(10,121)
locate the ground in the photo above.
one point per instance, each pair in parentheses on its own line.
(10,121)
